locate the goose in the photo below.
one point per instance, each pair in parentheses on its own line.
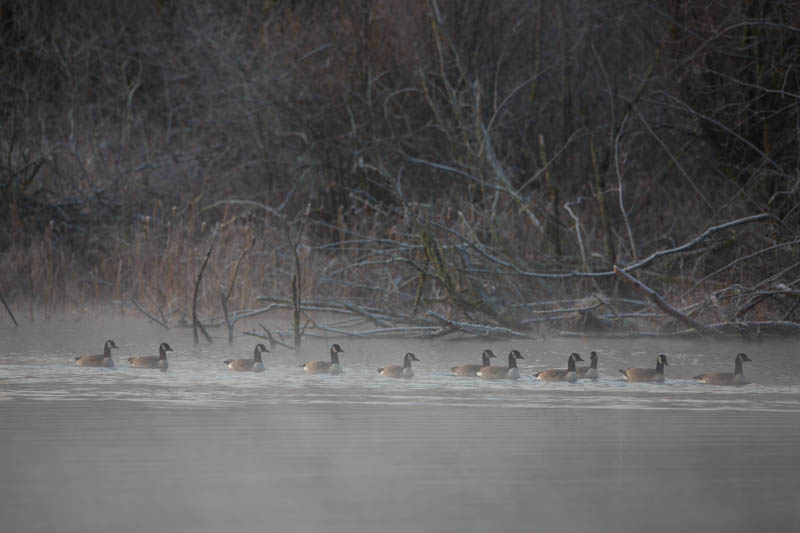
(647,374)
(325,367)
(151,361)
(588,372)
(502,372)
(397,371)
(472,370)
(561,374)
(244,365)
(103,359)
(726,378)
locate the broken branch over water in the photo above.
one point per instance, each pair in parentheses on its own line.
(664,306)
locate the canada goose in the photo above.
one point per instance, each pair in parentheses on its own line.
(472,370)
(103,359)
(502,372)
(151,361)
(397,371)
(647,374)
(325,367)
(244,365)
(726,378)
(561,374)
(588,372)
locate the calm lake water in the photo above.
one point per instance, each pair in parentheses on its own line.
(201,448)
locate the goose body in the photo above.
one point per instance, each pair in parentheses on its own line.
(400,371)
(472,370)
(325,367)
(655,375)
(561,374)
(588,372)
(151,361)
(249,365)
(103,359)
(502,372)
(727,378)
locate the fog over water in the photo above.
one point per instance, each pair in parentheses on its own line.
(201,448)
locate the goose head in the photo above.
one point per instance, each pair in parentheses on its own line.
(258,350)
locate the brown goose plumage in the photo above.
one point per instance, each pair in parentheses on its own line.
(726,378)
(472,370)
(103,359)
(249,365)
(400,371)
(325,367)
(503,372)
(151,361)
(561,374)
(647,374)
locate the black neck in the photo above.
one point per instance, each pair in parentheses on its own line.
(512,361)
(594,363)
(334,356)
(407,362)
(486,360)
(257,354)
(162,353)
(571,364)
(107,350)
(659,367)
(738,369)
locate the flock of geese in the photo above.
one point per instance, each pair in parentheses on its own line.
(484,370)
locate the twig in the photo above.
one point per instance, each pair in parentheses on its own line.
(664,306)
(195,321)
(226,297)
(14,320)
(272,340)
(148,315)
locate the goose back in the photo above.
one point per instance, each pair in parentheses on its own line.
(151,361)
(471,370)
(503,372)
(249,365)
(561,374)
(400,371)
(655,375)
(727,378)
(325,367)
(99,360)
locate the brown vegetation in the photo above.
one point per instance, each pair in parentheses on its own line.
(433,165)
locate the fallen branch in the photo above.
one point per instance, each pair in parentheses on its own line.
(664,306)
(272,341)
(148,315)
(633,266)
(481,330)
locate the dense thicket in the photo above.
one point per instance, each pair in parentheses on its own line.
(453,154)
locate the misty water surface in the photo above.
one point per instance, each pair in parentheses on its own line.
(200,448)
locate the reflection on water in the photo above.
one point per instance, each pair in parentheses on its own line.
(201,448)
